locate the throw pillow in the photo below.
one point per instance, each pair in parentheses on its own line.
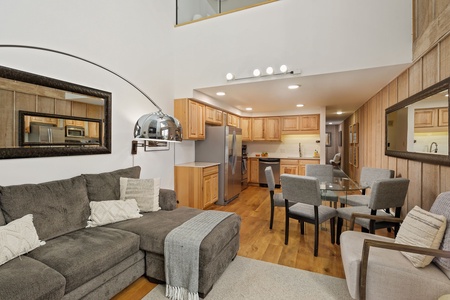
(423,229)
(18,237)
(111,211)
(145,191)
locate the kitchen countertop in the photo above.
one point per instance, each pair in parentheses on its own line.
(198,164)
(289,157)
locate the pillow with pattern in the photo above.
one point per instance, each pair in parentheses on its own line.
(18,237)
(111,211)
(145,191)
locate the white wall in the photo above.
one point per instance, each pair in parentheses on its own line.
(133,38)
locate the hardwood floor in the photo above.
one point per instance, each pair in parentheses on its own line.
(257,241)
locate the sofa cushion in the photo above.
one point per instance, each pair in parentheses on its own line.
(441,206)
(154,226)
(58,207)
(145,191)
(27,278)
(423,229)
(106,186)
(17,238)
(106,212)
(84,254)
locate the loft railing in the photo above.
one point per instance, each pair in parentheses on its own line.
(188,11)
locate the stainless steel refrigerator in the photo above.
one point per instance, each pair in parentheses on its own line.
(223,144)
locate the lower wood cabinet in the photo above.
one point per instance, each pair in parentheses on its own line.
(302,165)
(197,184)
(254,170)
(289,166)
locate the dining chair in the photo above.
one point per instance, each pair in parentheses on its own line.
(304,192)
(324,173)
(276,199)
(385,194)
(367,178)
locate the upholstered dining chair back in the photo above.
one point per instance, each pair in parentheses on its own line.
(387,193)
(270,178)
(321,172)
(370,175)
(301,189)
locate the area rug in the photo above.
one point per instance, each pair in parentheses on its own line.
(250,279)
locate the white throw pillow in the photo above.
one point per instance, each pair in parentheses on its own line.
(145,191)
(423,229)
(111,211)
(18,237)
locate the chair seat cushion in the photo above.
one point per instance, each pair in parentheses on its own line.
(84,254)
(355,200)
(27,278)
(307,211)
(162,222)
(390,274)
(346,213)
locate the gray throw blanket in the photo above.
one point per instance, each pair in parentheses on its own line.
(182,252)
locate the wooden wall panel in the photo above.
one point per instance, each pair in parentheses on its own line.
(440,6)
(402,172)
(402,86)
(415,78)
(415,186)
(444,179)
(384,105)
(444,58)
(6,119)
(430,68)
(430,185)
(46,105)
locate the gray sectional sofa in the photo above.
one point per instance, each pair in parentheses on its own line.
(96,263)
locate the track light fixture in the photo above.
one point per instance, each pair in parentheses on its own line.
(269,72)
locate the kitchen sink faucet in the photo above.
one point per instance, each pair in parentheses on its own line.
(435,149)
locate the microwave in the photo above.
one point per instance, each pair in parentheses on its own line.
(75,131)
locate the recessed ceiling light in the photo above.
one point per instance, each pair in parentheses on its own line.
(339,113)
(220,94)
(256,72)
(269,71)
(300,105)
(446,95)
(330,123)
(293,86)
(248,108)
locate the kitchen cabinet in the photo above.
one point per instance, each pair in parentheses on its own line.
(94,112)
(42,120)
(233,120)
(431,119)
(213,116)
(289,166)
(191,115)
(302,165)
(254,170)
(300,124)
(197,184)
(266,129)
(246,126)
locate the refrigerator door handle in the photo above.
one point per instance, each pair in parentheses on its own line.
(233,153)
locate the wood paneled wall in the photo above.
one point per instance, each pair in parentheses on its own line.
(427,180)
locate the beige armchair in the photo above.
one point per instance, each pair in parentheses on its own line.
(375,267)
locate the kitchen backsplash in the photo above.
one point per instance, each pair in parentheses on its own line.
(288,147)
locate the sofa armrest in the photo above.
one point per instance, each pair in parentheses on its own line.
(390,246)
(167,199)
(374,218)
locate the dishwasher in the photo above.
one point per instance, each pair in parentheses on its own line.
(269,162)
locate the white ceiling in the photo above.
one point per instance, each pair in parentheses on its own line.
(343,91)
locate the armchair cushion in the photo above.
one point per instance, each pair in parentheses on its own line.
(424,229)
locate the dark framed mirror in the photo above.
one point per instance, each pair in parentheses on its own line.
(417,127)
(42,117)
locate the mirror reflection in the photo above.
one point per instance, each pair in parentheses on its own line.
(37,130)
(41,116)
(421,126)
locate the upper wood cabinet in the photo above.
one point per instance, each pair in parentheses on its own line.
(246,126)
(213,116)
(232,120)
(300,124)
(266,129)
(431,119)
(191,115)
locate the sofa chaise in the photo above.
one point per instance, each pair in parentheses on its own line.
(98,262)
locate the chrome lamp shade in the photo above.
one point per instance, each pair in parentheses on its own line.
(159,127)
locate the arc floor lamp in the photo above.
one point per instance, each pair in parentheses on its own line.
(150,129)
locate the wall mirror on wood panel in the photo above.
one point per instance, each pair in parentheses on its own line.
(417,127)
(41,116)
